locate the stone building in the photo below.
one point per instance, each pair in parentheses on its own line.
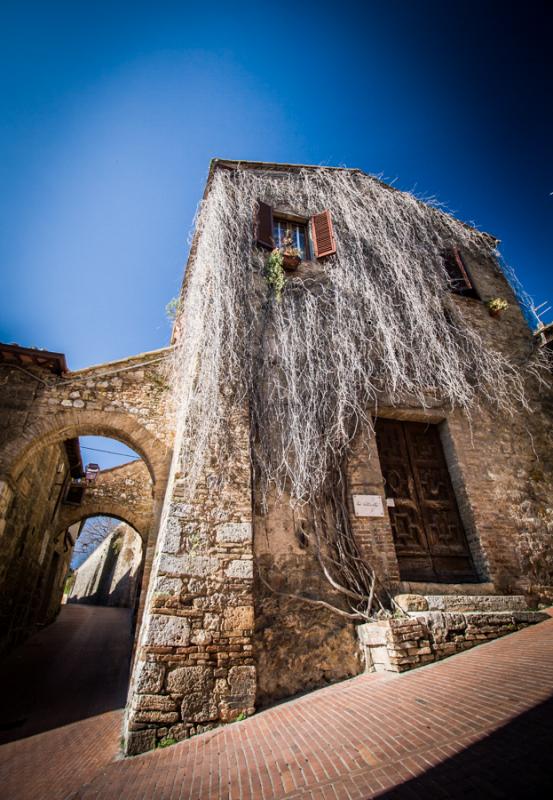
(44,496)
(354,469)
(110,575)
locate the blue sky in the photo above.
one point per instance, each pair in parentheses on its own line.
(111,112)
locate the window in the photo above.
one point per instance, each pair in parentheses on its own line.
(270,230)
(293,233)
(460,281)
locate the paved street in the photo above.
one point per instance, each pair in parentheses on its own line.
(477,725)
(63,691)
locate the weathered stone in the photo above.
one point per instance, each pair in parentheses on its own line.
(149,677)
(200,566)
(235,532)
(411,602)
(242,681)
(167,631)
(189,679)
(238,619)
(153,702)
(240,569)
(139,741)
(170,587)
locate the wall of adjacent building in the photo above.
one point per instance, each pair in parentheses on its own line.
(110,575)
(34,551)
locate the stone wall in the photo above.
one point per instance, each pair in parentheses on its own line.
(124,492)
(501,467)
(35,549)
(110,575)
(194,666)
(398,645)
(40,410)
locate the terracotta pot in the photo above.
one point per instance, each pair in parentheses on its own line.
(494,312)
(290,262)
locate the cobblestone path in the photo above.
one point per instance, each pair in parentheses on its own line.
(478,725)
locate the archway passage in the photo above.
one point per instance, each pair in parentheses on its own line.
(111,571)
(54,492)
(77,667)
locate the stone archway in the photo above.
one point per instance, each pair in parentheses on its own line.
(125,492)
(76,422)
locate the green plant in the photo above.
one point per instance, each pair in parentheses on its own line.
(172,308)
(240,717)
(497,304)
(274,272)
(167,741)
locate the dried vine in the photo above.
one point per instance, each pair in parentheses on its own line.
(376,322)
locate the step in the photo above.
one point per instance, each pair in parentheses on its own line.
(461,603)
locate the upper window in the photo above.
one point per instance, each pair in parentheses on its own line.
(460,281)
(292,234)
(271,231)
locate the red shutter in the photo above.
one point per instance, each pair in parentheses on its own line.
(456,270)
(264,225)
(323,234)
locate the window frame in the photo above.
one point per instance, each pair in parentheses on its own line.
(295,219)
(453,254)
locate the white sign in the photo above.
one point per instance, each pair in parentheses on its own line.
(368,505)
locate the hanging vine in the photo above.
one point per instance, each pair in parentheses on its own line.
(376,323)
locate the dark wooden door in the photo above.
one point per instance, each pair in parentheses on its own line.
(429,537)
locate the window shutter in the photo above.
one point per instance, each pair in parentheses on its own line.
(456,271)
(264,225)
(323,234)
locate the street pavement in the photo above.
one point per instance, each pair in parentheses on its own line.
(476,725)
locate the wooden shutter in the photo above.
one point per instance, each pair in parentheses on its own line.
(457,273)
(264,225)
(323,234)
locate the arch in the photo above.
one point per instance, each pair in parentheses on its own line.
(48,430)
(73,515)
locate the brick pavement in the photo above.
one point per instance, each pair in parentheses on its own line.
(52,765)
(477,725)
(62,696)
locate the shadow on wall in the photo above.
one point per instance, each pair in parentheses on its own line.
(110,576)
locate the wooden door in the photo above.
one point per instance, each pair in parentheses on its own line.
(429,537)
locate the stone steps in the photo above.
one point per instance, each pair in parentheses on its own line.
(435,626)
(412,604)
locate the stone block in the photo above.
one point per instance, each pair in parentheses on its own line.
(172,540)
(235,533)
(168,587)
(167,631)
(149,677)
(157,717)
(242,681)
(153,702)
(240,569)
(190,679)
(238,618)
(197,566)
(411,602)
(140,741)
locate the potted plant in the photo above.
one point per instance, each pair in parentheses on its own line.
(291,256)
(496,306)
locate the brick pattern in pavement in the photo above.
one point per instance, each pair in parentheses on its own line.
(476,725)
